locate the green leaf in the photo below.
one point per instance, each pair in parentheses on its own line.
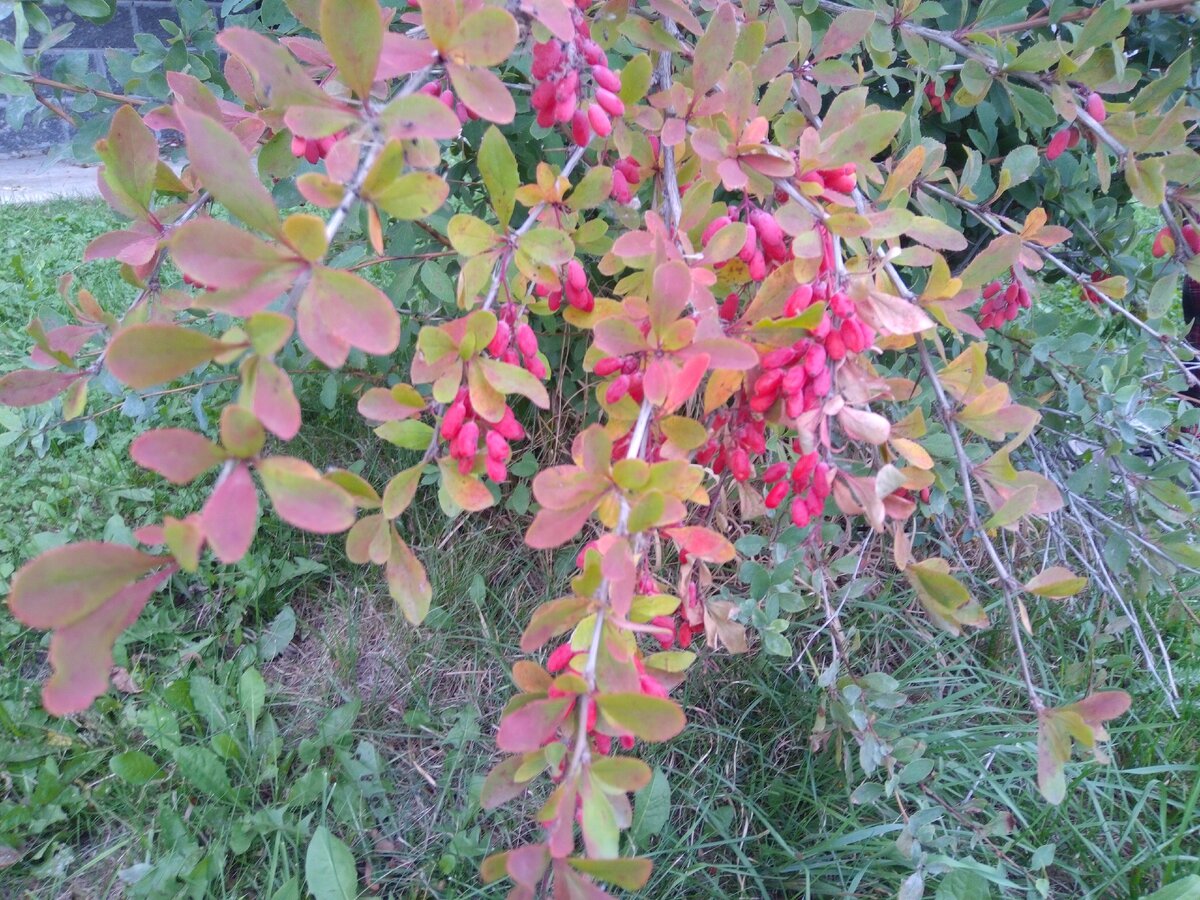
(651,809)
(252,694)
(1103,26)
(948,603)
(134,767)
(630,874)
(485,37)
(592,190)
(1055,582)
(1020,165)
(498,167)
(652,719)
(409,434)
(1187,888)
(329,868)
(865,138)
(352,31)
(635,79)
(203,770)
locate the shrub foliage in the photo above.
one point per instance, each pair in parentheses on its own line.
(849,275)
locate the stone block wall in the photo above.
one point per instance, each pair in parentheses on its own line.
(131,17)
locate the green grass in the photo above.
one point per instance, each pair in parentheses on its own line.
(185,789)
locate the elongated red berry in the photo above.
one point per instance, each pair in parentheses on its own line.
(610,102)
(599,120)
(1095,107)
(1057,144)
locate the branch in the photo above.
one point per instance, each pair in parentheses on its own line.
(1042,19)
(1007,582)
(1000,227)
(500,272)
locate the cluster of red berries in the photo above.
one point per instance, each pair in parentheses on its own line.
(556,70)
(765,240)
(628,370)
(574,288)
(841,180)
(1002,304)
(463,429)
(315,149)
(737,434)
(627,175)
(440,92)
(560,659)
(937,102)
(1164,241)
(808,482)
(515,343)
(1068,138)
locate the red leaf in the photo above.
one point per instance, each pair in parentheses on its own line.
(703,543)
(81,654)
(230,517)
(339,310)
(66,584)
(684,387)
(29,387)
(135,246)
(530,726)
(276,74)
(419,115)
(1098,708)
(483,93)
(303,498)
(402,55)
(178,455)
(68,339)
(554,527)
(220,255)
(224,167)
(150,353)
(273,400)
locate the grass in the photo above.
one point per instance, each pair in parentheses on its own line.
(195,785)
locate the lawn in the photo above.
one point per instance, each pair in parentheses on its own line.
(282,698)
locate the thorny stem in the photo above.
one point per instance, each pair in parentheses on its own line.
(964,469)
(371,151)
(1000,227)
(1042,18)
(500,271)
(152,279)
(637,444)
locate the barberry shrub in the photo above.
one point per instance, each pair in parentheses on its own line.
(816,254)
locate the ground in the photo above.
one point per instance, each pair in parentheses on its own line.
(260,702)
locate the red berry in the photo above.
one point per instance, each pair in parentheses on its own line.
(599,120)
(610,102)
(606,78)
(608,365)
(581,131)
(776,495)
(1095,107)
(1057,145)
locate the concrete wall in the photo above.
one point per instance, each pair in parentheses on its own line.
(130,18)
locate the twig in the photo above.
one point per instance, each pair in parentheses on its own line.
(1007,582)
(500,270)
(1042,19)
